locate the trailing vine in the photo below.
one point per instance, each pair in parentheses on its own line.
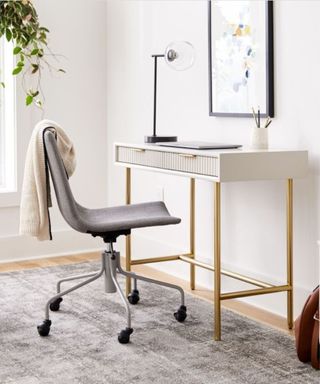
(20,25)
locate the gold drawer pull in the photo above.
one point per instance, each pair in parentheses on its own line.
(140,150)
(187,155)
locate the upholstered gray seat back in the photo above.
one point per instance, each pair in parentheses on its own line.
(66,202)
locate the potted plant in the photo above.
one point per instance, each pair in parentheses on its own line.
(20,25)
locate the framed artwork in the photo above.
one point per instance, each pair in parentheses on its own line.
(240,58)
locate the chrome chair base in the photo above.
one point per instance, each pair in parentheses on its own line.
(110,266)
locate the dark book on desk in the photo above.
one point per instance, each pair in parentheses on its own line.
(198,145)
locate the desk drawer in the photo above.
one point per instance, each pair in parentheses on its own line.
(181,162)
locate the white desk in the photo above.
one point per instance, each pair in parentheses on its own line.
(217,166)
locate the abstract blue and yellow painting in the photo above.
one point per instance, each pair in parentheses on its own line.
(238,38)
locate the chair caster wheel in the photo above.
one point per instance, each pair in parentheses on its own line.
(55,305)
(181,314)
(134,297)
(124,336)
(44,328)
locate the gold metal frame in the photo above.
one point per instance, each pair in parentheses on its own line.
(128,238)
(263,287)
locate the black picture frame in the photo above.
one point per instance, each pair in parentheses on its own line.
(269,65)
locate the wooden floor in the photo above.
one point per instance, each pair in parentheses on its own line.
(235,305)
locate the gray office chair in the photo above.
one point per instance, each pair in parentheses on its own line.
(108,223)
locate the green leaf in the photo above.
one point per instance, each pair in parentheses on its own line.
(29,100)
(44,29)
(19,6)
(35,68)
(34,52)
(8,34)
(20,64)
(17,70)
(17,50)
(2,84)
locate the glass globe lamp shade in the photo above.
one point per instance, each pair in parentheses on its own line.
(179,55)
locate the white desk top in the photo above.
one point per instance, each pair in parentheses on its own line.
(203,152)
(217,165)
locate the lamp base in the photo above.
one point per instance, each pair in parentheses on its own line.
(158,139)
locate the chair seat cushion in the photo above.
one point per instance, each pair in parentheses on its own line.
(126,217)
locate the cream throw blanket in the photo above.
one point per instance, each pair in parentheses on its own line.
(35,196)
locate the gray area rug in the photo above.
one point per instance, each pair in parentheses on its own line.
(83,347)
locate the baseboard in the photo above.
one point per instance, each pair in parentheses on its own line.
(65,242)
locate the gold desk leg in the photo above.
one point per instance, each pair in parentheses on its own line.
(128,238)
(217,263)
(289,252)
(192,234)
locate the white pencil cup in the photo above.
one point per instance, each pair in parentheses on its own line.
(259,138)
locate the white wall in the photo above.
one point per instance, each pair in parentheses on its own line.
(253,226)
(77,101)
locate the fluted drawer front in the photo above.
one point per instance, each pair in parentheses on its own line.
(139,157)
(203,165)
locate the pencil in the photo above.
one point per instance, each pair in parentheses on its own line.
(255,117)
(267,125)
(267,121)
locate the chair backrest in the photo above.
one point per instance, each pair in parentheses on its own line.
(66,202)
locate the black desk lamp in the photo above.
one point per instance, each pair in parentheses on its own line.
(179,55)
